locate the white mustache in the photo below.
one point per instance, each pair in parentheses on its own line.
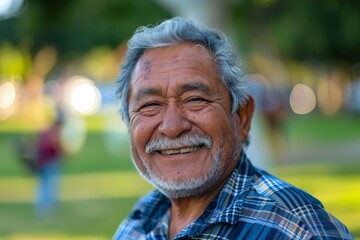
(165,143)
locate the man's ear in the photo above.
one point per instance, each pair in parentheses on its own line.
(245,114)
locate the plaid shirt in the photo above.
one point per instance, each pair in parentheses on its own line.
(252,205)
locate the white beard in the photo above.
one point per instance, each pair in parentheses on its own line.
(185,188)
(176,189)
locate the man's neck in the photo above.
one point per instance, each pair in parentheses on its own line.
(185,211)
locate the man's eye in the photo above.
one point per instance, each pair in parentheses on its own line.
(196,103)
(196,100)
(150,104)
(150,108)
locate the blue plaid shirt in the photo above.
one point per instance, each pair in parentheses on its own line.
(252,205)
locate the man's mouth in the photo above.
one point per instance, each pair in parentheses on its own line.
(181,145)
(180,151)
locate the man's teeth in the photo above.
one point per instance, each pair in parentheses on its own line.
(179,151)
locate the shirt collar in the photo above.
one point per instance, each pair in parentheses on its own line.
(230,199)
(150,210)
(226,207)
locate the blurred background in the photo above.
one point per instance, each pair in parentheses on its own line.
(58,64)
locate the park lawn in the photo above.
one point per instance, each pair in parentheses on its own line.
(100,184)
(93,204)
(76,219)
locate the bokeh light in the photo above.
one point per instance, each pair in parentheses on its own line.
(9,8)
(7,95)
(7,99)
(82,96)
(302,99)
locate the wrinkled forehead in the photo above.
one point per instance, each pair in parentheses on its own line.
(179,50)
(183,55)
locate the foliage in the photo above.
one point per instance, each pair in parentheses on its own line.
(74,27)
(304,30)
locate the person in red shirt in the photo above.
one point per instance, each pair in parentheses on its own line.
(49,155)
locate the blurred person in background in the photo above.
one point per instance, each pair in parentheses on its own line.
(258,132)
(274,114)
(186,104)
(48,159)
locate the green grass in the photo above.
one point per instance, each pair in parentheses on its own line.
(314,128)
(91,205)
(99,183)
(84,219)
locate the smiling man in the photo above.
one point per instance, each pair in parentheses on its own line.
(185,102)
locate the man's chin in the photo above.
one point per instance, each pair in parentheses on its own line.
(180,193)
(185,188)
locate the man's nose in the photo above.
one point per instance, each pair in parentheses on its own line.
(174,121)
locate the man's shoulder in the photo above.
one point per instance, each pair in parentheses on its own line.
(284,194)
(261,187)
(274,198)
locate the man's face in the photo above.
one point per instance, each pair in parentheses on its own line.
(183,136)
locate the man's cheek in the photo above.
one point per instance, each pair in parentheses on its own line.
(136,155)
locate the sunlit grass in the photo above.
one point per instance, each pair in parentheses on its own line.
(52,236)
(89,198)
(77,219)
(91,206)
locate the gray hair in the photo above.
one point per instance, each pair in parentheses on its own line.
(178,30)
